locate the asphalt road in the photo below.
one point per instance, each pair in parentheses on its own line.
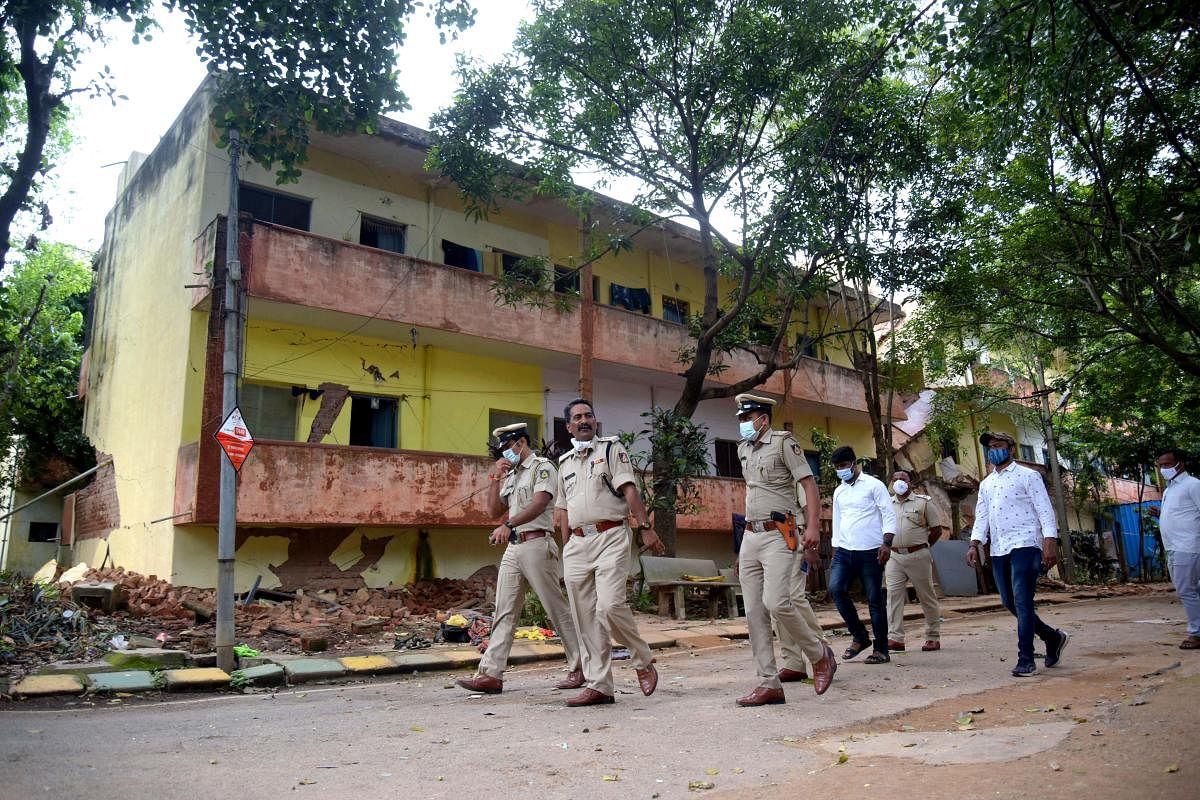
(421,737)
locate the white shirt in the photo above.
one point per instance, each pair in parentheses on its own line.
(1179,519)
(862,514)
(1014,507)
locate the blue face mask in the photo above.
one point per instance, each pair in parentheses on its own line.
(846,474)
(997,455)
(747,429)
(511,457)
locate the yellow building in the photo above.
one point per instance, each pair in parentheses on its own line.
(376,362)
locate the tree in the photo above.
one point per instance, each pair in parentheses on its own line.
(711,106)
(41,341)
(283,65)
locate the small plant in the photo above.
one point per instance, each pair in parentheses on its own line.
(533,612)
(158,679)
(238,681)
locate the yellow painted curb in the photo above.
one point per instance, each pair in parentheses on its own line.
(369,664)
(44,685)
(198,678)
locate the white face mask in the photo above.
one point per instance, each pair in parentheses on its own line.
(747,429)
(900,487)
(846,473)
(578,445)
(512,457)
(1169,473)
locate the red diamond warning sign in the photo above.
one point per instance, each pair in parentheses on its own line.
(235,439)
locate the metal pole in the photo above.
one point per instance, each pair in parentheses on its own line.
(227,520)
(1060,501)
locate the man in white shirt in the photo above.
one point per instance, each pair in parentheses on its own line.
(1014,510)
(1179,522)
(864,525)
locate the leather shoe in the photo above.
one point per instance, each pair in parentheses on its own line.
(895,646)
(573,680)
(590,697)
(932,644)
(648,679)
(792,675)
(762,696)
(823,671)
(482,683)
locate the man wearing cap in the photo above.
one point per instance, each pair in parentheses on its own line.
(597,494)
(522,487)
(864,527)
(777,475)
(919,523)
(1014,511)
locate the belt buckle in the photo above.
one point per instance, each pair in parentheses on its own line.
(589,530)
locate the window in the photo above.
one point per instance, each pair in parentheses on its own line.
(528,271)
(1045,457)
(374,421)
(461,256)
(500,419)
(629,297)
(270,411)
(43,531)
(950,449)
(675,310)
(806,346)
(814,463)
(268,206)
(727,462)
(566,280)
(1026,452)
(380,234)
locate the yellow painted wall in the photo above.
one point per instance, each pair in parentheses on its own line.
(445,395)
(141,339)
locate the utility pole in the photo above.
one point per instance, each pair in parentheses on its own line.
(1055,475)
(227,520)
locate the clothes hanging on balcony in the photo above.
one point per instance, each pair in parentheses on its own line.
(630,298)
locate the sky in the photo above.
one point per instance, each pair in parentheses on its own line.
(157,78)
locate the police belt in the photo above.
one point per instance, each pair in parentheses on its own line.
(907,550)
(599,527)
(761,525)
(525,536)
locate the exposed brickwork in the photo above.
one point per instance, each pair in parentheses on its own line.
(97,509)
(308,564)
(331,405)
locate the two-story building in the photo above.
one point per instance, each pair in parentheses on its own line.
(376,360)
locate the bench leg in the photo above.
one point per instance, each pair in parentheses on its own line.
(714,603)
(731,601)
(664,602)
(680,603)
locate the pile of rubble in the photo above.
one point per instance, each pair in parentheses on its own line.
(38,624)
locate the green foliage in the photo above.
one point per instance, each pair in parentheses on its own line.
(533,612)
(678,455)
(238,681)
(158,679)
(41,335)
(825,444)
(1091,564)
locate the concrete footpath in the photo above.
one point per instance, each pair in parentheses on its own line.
(149,670)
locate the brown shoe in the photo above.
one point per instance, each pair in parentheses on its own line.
(792,675)
(648,679)
(895,646)
(932,644)
(573,680)
(590,697)
(482,683)
(762,696)
(823,671)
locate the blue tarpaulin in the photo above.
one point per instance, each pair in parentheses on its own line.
(1127,521)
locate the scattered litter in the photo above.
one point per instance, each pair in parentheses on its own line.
(695,786)
(610,778)
(1054,765)
(1172,768)
(620,653)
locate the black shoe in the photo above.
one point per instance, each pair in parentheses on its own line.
(1053,654)
(1024,670)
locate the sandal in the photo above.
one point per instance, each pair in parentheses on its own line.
(1190,643)
(855,649)
(877,658)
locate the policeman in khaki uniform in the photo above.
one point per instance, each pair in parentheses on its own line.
(919,523)
(597,493)
(524,483)
(775,470)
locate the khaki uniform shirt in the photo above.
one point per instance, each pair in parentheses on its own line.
(534,474)
(773,467)
(915,515)
(581,488)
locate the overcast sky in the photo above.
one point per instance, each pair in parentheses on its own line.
(158,77)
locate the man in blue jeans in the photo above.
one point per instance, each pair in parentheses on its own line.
(1014,510)
(864,524)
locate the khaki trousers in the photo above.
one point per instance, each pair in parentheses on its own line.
(918,568)
(528,564)
(790,654)
(596,571)
(767,571)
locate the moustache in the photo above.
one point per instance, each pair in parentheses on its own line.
(583,426)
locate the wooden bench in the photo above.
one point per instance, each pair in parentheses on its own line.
(664,576)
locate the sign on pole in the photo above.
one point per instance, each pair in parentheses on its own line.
(235,439)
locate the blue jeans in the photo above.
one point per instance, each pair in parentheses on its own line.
(1016,577)
(864,565)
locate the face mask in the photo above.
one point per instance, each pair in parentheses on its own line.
(1168,473)
(578,445)
(900,487)
(511,457)
(846,474)
(747,429)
